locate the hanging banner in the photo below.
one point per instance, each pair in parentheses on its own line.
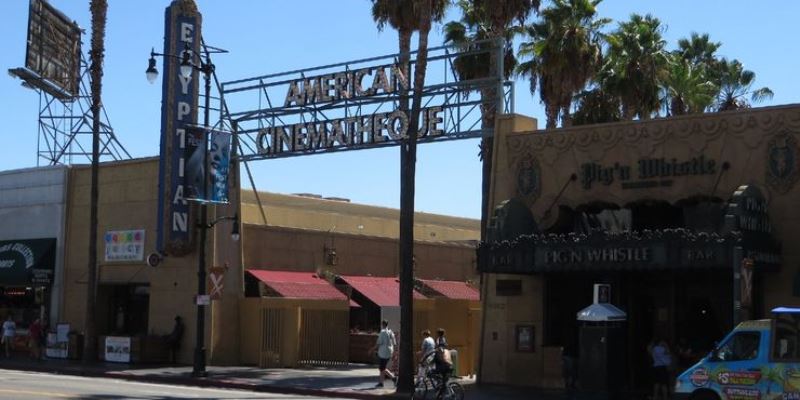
(179,109)
(219,160)
(195,171)
(206,173)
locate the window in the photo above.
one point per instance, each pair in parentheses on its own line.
(787,337)
(508,287)
(741,346)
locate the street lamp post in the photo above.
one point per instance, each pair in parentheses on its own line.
(199,366)
(187,66)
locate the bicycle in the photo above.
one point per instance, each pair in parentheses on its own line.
(429,386)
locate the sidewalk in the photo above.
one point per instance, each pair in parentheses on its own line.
(356,381)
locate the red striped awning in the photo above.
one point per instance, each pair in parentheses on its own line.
(383,291)
(297,285)
(451,289)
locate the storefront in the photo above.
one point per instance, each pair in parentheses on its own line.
(683,217)
(27,267)
(32,208)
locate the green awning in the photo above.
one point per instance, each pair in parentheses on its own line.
(27,261)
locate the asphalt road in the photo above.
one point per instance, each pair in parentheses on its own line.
(29,385)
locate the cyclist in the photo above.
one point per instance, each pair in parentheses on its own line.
(443,363)
(425,354)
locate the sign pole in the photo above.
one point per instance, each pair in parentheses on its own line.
(199,368)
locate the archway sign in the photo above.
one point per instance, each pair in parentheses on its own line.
(355,105)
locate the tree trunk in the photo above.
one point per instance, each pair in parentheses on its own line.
(405,382)
(98,9)
(551,110)
(566,118)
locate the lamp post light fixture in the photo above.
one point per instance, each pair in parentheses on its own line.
(190,61)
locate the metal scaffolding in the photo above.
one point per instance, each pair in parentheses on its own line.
(65,122)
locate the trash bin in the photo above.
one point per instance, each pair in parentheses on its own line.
(602,350)
(74,346)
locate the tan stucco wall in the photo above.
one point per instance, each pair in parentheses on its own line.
(129,200)
(304,250)
(460,319)
(253,329)
(740,138)
(319,214)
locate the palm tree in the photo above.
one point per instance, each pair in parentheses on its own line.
(698,49)
(400,16)
(595,106)
(472,28)
(736,84)
(564,54)
(98,9)
(635,65)
(407,16)
(494,20)
(687,88)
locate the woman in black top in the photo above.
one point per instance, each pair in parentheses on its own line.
(440,339)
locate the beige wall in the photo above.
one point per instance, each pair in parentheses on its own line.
(460,319)
(128,200)
(740,138)
(304,250)
(307,213)
(252,329)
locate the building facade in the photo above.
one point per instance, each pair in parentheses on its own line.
(32,243)
(301,233)
(689,220)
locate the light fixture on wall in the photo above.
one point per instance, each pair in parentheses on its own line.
(331,259)
(329,251)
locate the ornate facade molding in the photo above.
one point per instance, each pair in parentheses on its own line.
(752,126)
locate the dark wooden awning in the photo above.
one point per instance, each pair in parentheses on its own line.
(666,249)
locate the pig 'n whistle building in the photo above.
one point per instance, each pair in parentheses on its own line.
(689,220)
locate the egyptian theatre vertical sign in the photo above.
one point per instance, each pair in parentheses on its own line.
(178,110)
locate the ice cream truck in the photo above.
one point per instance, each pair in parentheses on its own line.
(757,360)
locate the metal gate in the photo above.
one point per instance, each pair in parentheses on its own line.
(271,338)
(324,338)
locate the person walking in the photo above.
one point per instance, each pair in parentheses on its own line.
(662,360)
(9,331)
(385,347)
(174,339)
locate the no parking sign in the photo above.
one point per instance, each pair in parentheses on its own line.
(216,277)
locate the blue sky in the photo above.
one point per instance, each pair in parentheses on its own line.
(273,36)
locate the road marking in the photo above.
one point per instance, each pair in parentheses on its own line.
(32,393)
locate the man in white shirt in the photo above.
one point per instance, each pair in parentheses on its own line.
(9,330)
(425,354)
(385,346)
(427,344)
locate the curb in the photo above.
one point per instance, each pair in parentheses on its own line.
(213,383)
(204,382)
